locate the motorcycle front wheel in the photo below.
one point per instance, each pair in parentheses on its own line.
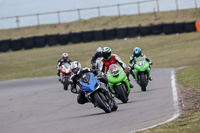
(100,100)
(66,83)
(121,92)
(143,82)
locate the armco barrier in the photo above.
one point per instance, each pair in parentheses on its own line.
(40,41)
(157,29)
(87,36)
(179,27)
(98,35)
(110,34)
(16,44)
(28,42)
(5,45)
(145,30)
(76,37)
(132,31)
(168,28)
(121,33)
(64,39)
(52,40)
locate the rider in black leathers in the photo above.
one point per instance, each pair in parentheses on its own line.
(78,71)
(61,61)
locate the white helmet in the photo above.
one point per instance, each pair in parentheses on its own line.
(76,67)
(65,56)
(99,49)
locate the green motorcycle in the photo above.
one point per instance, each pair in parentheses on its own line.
(142,72)
(118,82)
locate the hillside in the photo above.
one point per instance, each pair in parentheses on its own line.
(103,23)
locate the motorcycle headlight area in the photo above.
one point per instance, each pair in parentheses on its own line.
(115,72)
(137,66)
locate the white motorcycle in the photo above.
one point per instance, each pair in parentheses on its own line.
(65,74)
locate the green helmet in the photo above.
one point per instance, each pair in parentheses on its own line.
(106,53)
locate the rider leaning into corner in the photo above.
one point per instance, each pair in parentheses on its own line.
(137,52)
(77,72)
(96,56)
(108,58)
(61,61)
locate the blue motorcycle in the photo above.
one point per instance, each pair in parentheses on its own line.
(97,93)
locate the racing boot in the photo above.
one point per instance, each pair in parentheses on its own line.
(150,78)
(131,86)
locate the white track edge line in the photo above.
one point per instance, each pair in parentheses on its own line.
(175,104)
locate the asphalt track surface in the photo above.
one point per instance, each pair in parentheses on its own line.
(40,105)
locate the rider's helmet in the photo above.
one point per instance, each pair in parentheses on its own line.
(106,53)
(99,49)
(76,67)
(137,52)
(65,56)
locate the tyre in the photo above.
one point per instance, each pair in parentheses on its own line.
(143,82)
(66,84)
(5,45)
(121,92)
(100,100)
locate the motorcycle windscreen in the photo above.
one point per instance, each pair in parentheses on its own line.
(88,82)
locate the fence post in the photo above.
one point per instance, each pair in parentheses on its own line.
(138,7)
(79,14)
(158,9)
(58,17)
(118,6)
(177,5)
(195,4)
(17,21)
(38,20)
(99,13)
(155,16)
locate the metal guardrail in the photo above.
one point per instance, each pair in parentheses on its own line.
(79,11)
(92,8)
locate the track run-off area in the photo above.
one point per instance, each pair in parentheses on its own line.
(40,105)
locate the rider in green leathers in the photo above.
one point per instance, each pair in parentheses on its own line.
(137,52)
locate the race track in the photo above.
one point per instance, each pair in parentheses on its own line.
(40,105)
